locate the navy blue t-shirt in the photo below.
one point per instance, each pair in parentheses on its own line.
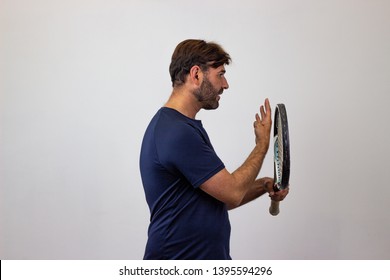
(185,223)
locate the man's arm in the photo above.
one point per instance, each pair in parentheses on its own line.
(257,189)
(260,187)
(232,188)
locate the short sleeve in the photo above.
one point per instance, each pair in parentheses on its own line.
(187,150)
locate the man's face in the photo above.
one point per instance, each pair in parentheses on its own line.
(213,84)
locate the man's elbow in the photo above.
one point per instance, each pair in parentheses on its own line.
(234,201)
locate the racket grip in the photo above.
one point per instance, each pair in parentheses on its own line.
(274,208)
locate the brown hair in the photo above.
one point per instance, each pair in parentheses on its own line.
(195,52)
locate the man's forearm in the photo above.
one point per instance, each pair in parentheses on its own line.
(247,173)
(255,190)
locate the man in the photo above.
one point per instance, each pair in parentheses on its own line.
(187,187)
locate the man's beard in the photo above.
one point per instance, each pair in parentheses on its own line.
(208,95)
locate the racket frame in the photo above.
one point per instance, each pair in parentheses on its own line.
(282,165)
(281,180)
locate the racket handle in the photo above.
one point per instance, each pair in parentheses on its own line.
(274,208)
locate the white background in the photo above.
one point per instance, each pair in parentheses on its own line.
(80,80)
(229,270)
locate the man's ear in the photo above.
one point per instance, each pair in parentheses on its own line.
(196,74)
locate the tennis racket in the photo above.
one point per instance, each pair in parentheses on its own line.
(281,154)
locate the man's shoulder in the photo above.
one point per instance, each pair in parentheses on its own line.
(168,120)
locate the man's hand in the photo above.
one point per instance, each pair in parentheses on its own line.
(269,187)
(262,126)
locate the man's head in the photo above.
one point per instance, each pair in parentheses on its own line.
(193,52)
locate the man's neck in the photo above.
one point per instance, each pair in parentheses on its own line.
(184,102)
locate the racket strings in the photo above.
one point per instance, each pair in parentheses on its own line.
(280,141)
(279,150)
(277,162)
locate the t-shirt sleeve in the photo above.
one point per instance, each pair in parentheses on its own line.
(187,151)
